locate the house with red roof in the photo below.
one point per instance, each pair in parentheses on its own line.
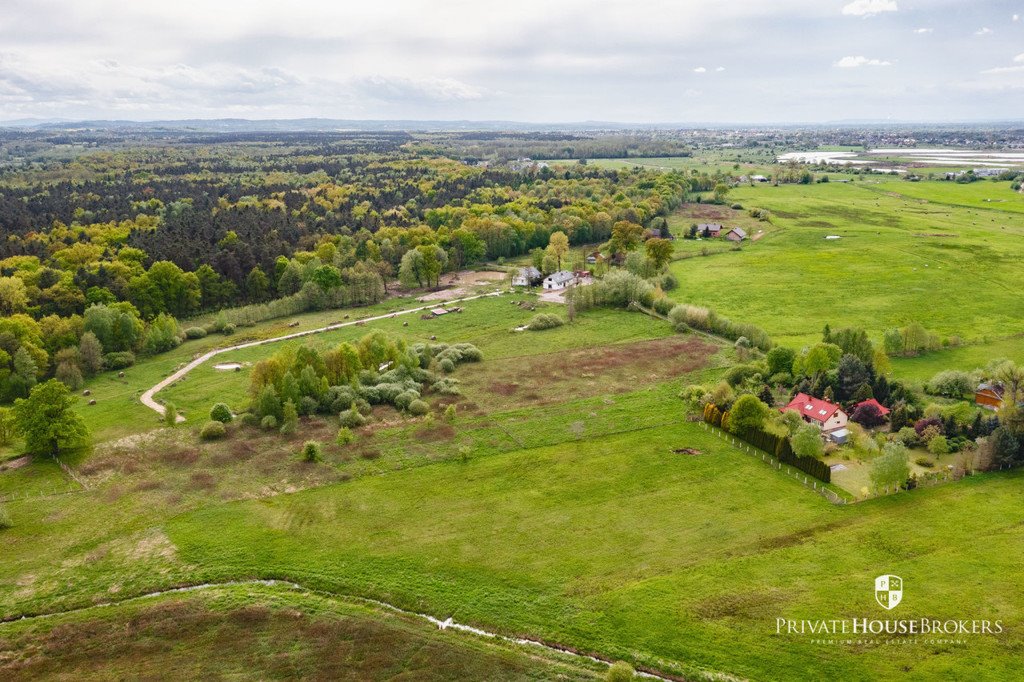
(882,409)
(828,416)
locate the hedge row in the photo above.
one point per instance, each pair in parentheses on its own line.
(778,446)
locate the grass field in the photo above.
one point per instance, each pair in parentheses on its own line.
(555,505)
(622,546)
(263,632)
(953,268)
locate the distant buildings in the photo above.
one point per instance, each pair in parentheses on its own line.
(709,230)
(736,234)
(526,277)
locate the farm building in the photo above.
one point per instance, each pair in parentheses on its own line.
(736,234)
(709,230)
(828,416)
(989,395)
(559,280)
(526,277)
(882,409)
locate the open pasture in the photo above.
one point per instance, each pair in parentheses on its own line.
(954,269)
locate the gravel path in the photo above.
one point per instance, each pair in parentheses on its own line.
(147,397)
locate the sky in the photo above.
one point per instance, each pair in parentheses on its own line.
(635,61)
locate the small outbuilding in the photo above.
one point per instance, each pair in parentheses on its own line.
(736,234)
(839,436)
(989,395)
(882,409)
(709,230)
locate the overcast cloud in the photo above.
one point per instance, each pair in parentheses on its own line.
(530,60)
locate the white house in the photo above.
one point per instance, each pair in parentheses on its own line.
(526,277)
(559,280)
(828,416)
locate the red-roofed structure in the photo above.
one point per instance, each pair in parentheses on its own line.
(882,409)
(821,412)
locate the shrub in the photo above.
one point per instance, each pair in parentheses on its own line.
(924,462)
(418,408)
(950,383)
(620,671)
(446,386)
(119,360)
(68,374)
(351,419)
(447,365)
(195,333)
(290,418)
(449,414)
(404,399)
(269,422)
(221,413)
(311,451)
(542,321)
(938,445)
(212,430)
(345,436)
(249,419)
(228,329)
(170,414)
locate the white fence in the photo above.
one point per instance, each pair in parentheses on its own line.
(808,481)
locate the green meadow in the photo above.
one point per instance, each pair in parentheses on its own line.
(953,267)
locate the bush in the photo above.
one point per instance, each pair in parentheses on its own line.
(212,430)
(924,462)
(620,671)
(404,399)
(170,414)
(446,386)
(542,321)
(447,365)
(290,420)
(938,445)
(311,451)
(119,360)
(228,329)
(221,413)
(195,333)
(449,414)
(345,436)
(269,422)
(418,408)
(351,419)
(950,383)
(249,419)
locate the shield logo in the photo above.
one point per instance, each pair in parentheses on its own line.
(888,591)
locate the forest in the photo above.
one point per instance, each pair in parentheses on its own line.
(113,241)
